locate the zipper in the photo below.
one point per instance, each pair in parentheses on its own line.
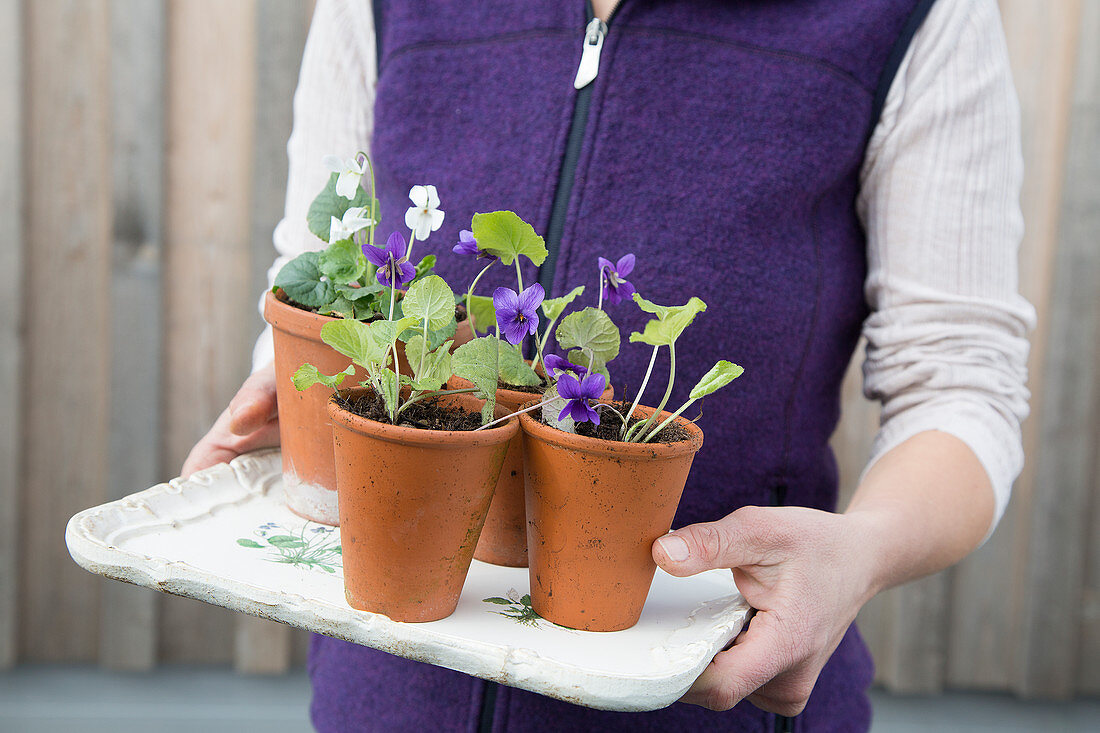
(595,31)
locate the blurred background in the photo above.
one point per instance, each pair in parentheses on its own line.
(142,169)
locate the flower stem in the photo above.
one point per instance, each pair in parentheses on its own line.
(645,381)
(517,412)
(469,297)
(599,304)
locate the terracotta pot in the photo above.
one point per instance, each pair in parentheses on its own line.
(412,504)
(309,477)
(504,538)
(594,509)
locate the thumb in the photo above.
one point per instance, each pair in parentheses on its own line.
(727,543)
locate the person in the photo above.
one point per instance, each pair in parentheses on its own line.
(813,170)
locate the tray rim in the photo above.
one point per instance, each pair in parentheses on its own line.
(495,662)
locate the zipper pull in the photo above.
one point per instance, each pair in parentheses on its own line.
(590,54)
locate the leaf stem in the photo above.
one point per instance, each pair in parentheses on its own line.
(645,381)
(373,213)
(519,275)
(657,430)
(470,295)
(668,393)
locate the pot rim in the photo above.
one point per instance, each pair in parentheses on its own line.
(292,319)
(632,451)
(415,436)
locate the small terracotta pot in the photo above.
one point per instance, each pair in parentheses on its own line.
(412,504)
(594,509)
(305,434)
(504,538)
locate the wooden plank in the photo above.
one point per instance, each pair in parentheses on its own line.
(209,306)
(66,378)
(263,647)
(11,315)
(988,592)
(1080,235)
(1043,40)
(1070,422)
(128,624)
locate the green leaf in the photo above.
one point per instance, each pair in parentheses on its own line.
(386,332)
(436,337)
(391,386)
(589,330)
(553,307)
(437,364)
(326,568)
(301,280)
(343,262)
(485,315)
(307,376)
(507,236)
(513,369)
(474,361)
(355,340)
(329,204)
(340,308)
(286,540)
(718,377)
(669,323)
(430,299)
(426,265)
(249,543)
(370,290)
(498,600)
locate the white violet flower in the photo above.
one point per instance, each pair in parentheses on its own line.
(351,173)
(354,219)
(424,216)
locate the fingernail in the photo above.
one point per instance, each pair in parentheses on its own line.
(675,547)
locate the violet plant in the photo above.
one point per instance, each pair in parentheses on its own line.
(342,279)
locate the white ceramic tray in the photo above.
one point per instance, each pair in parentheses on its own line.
(223,536)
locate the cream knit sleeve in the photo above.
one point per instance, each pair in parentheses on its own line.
(333,115)
(947,338)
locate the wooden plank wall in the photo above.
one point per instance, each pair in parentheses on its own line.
(147,164)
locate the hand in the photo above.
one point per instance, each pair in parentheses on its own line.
(807,573)
(251,421)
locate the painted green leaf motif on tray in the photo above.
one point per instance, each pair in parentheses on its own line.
(313,547)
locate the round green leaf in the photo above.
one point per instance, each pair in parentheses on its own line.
(590,329)
(301,280)
(504,234)
(430,299)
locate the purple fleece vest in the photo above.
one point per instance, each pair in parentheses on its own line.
(723,148)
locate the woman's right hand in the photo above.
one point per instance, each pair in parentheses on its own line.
(250,422)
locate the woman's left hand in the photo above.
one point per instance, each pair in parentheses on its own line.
(806,572)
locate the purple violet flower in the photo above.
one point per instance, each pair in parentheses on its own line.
(555,364)
(391,261)
(577,393)
(518,313)
(613,287)
(467,245)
